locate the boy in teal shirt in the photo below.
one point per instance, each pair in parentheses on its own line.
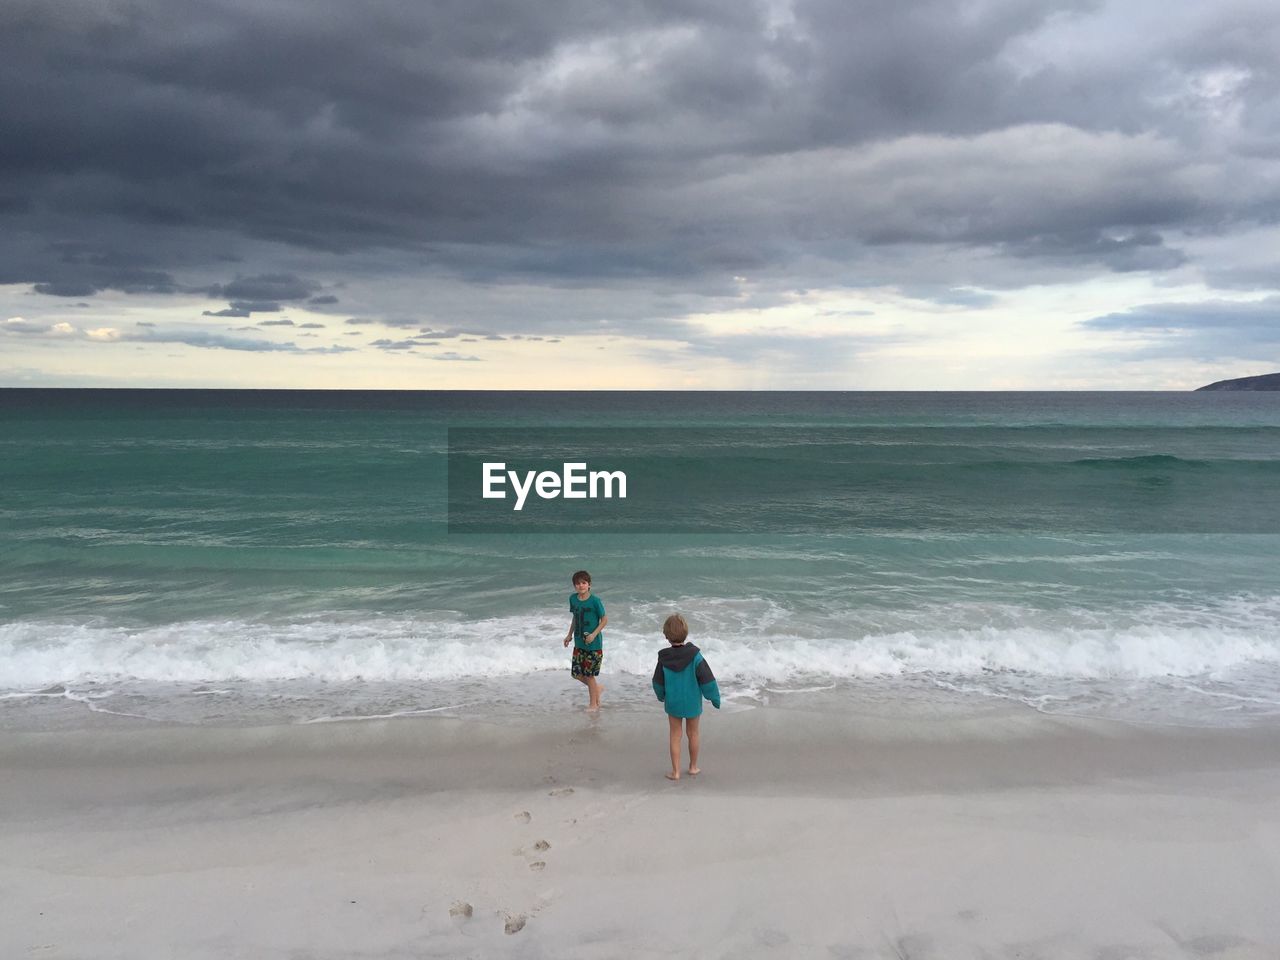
(587,634)
(682,678)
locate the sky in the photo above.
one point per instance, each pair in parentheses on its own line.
(621,194)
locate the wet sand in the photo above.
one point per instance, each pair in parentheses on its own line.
(1000,835)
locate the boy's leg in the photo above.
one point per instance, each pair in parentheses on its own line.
(577,669)
(593,689)
(591,663)
(691,725)
(673,726)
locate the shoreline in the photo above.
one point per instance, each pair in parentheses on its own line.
(544,698)
(1010,834)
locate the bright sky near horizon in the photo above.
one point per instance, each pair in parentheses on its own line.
(988,194)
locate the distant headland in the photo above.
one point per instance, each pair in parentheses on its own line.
(1268,381)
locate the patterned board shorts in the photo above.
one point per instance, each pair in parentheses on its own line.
(586,663)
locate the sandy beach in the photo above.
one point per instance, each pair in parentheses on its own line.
(1007,834)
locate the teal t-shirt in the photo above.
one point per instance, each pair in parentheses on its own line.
(586,617)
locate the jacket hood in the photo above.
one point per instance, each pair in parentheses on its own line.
(676,659)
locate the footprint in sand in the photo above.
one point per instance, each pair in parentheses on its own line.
(461,908)
(538,865)
(515,924)
(523,816)
(562,792)
(542,845)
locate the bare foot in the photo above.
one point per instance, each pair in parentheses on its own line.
(694,771)
(673,776)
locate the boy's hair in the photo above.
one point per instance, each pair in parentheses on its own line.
(580,576)
(675,629)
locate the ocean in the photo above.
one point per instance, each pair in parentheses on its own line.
(254,557)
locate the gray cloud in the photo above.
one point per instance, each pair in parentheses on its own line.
(439,334)
(23,327)
(451,355)
(150,334)
(263,288)
(217,341)
(80,269)
(650,150)
(244,308)
(67,288)
(1236,277)
(1212,330)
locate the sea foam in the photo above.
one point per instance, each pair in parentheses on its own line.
(746,643)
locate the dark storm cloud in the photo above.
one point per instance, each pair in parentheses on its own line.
(67,288)
(243,308)
(77,269)
(267,287)
(665,143)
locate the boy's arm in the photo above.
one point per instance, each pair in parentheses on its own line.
(596,632)
(569,636)
(659,683)
(600,622)
(707,683)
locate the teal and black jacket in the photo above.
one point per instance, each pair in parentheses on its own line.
(682,679)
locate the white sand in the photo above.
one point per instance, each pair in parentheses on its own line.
(1009,835)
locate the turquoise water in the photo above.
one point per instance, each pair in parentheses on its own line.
(240,556)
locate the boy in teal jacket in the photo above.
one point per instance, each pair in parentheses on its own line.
(682,678)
